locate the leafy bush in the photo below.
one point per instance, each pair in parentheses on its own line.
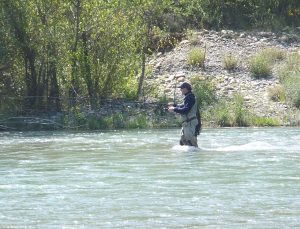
(196,57)
(204,91)
(240,14)
(230,62)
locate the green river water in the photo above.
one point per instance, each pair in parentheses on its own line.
(239,178)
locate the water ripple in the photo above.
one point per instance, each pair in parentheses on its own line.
(244,177)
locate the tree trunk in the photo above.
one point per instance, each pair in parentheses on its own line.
(31,76)
(73,90)
(142,76)
(87,73)
(54,88)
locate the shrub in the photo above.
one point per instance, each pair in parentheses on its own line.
(193,38)
(261,63)
(118,121)
(230,62)
(273,54)
(196,57)
(231,113)
(292,85)
(223,116)
(289,75)
(290,67)
(234,113)
(109,122)
(204,91)
(277,93)
(264,121)
(241,114)
(138,121)
(260,67)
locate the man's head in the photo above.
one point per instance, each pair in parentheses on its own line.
(185,87)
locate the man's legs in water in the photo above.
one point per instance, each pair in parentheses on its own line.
(188,136)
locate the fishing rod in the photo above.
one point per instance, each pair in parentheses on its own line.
(174,95)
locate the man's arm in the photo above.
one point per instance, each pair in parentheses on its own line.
(187,106)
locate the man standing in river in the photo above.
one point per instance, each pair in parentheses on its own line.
(191,122)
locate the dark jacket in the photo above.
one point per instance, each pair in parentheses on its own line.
(189,101)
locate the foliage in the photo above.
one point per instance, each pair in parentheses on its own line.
(222,115)
(241,114)
(273,54)
(260,67)
(277,93)
(264,121)
(115,121)
(234,113)
(193,37)
(230,62)
(292,85)
(196,57)
(217,14)
(50,50)
(261,63)
(138,121)
(204,91)
(74,55)
(289,74)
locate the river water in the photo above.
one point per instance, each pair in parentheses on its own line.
(239,178)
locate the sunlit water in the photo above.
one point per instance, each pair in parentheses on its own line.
(240,178)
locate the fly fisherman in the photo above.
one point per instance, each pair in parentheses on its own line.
(191,122)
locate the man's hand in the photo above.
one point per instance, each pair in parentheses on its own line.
(171,108)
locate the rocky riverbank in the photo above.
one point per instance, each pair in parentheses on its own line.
(167,68)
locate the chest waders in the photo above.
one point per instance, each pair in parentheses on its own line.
(188,131)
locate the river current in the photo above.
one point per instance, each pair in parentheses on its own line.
(239,178)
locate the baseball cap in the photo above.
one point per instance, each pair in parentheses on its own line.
(185,85)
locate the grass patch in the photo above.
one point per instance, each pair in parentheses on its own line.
(235,114)
(277,93)
(273,54)
(230,62)
(264,121)
(230,113)
(261,64)
(193,38)
(196,57)
(138,121)
(222,115)
(204,91)
(241,114)
(292,86)
(289,75)
(260,67)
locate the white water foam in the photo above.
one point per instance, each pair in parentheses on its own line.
(185,148)
(257,146)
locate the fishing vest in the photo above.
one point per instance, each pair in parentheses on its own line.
(191,115)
